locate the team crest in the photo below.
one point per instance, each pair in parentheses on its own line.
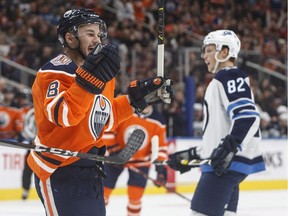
(99,115)
(4,119)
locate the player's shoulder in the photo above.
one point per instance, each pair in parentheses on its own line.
(61,63)
(227,74)
(10,109)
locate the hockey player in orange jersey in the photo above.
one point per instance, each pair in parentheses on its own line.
(74,103)
(155,129)
(11,122)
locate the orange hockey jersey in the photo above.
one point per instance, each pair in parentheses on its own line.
(11,122)
(68,117)
(151,127)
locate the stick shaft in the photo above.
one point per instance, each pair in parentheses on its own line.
(133,144)
(160,47)
(136,170)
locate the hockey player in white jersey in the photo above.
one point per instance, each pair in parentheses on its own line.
(231,132)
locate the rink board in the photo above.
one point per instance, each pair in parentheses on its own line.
(275,177)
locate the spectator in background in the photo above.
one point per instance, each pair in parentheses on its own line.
(198,120)
(261,25)
(9,94)
(175,112)
(265,124)
(283,125)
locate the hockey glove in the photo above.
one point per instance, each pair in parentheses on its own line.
(161,176)
(100,66)
(175,160)
(222,156)
(137,91)
(165,95)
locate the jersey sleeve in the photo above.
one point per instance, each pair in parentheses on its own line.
(69,107)
(121,110)
(163,144)
(239,104)
(65,102)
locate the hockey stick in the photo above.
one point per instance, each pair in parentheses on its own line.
(192,163)
(133,144)
(140,172)
(160,46)
(154,148)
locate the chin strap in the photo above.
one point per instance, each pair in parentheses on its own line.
(77,48)
(215,69)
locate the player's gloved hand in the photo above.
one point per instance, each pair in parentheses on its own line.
(137,91)
(222,156)
(165,94)
(176,160)
(161,176)
(100,66)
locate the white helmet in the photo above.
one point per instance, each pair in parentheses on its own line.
(224,38)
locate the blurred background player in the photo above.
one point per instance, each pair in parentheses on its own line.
(74,103)
(28,133)
(153,124)
(231,130)
(11,121)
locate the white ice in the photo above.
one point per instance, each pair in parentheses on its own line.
(260,203)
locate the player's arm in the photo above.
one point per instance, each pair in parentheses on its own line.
(66,103)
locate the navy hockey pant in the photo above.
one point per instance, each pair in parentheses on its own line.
(135,179)
(72,191)
(215,194)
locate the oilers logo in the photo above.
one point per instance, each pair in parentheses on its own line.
(4,119)
(99,115)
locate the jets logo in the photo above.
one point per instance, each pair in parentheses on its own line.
(99,115)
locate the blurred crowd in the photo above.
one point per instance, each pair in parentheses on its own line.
(28,37)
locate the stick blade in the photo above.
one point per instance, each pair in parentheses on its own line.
(133,144)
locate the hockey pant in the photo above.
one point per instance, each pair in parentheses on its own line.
(73,190)
(216,194)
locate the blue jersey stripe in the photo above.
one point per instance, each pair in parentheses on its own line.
(239,167)
(238,103)
(246,114)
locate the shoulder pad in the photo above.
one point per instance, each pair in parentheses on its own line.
(60,63)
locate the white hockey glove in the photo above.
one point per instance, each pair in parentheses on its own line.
(164,95)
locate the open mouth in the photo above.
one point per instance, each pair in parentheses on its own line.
(90,49)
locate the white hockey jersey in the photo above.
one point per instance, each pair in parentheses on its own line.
(229,108)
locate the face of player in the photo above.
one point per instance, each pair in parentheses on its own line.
(89,37)
(209,56)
